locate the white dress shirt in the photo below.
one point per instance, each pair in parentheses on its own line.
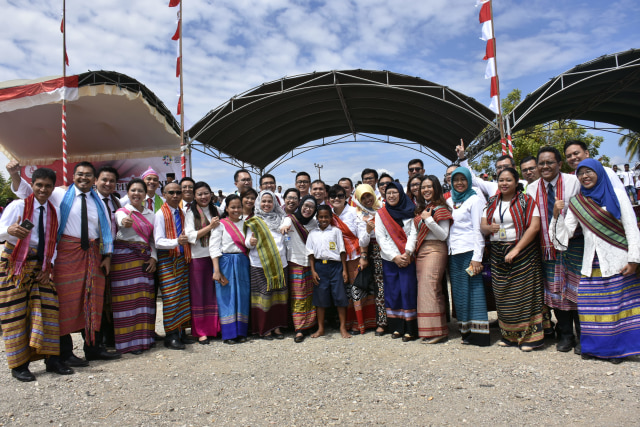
(162,242)
(325,244)
(571,188)
(10,215)
(506,223)
(611,259)
(464,233)
(388,248)
(220,241)
(197,250)
(254,259)
(129,234)
(297,251)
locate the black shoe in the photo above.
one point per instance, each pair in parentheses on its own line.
(75,362)
(157,337)
(566,343)
(379,334)
(23,375)
(616,360)
(204,342)
(58,367)
(408,338)
(354,332)
(187,339)
(578,348)
(298,339)
(279,336)
(396,335)
(230,342)
(101,354)
(174,344)
(137,352)
(241,340)
(267,337)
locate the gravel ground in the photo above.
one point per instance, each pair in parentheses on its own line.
(330,380)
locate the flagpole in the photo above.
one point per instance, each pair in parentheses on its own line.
(495,71)
(64,94)
(183,163)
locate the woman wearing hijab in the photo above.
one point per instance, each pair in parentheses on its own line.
(609,289)
(432,222)
(396,234)
(367,204)
(201,218)
(466,245)
(268,259)
(512,220)
(297,226)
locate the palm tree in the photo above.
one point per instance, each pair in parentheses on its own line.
(632,140)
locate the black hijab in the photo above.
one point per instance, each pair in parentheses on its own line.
(298,211)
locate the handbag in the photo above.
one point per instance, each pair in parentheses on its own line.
(364,279)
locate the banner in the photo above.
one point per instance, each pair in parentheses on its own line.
(130,168)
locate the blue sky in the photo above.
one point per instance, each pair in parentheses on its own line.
(231,46)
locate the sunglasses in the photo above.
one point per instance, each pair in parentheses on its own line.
(415,169)
(174,193)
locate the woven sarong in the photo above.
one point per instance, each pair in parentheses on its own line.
(132,297)
(401,294)
(269,309)
(562,276)
(234,298)
(173,275)
(376,259)
(80,285)
(301,286)
(29,313)
(431,264)
(205,320)
(470,301)
(519,291)
(609,310)
(361,312)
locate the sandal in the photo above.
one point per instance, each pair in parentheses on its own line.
(407,338)
(298,339)
(396,335)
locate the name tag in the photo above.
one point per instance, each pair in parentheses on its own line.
(502,234)
(332,246)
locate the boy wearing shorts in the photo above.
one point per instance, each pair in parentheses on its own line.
(328,261)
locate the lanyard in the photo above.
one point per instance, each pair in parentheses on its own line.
(501,212)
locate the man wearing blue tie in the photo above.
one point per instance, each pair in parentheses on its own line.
(174,255)
(561,269)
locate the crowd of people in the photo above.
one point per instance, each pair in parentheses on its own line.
(555,254)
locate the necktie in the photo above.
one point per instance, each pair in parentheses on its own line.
(113,225)
(551,200)
(150,204)
(41,235)
(84,225)
(176,215)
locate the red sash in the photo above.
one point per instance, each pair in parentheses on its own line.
(351,242)
(439,213)
(302,231)
(141,225)
(396,232)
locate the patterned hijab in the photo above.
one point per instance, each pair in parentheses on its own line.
(602,193)
(461,197)
(273,218)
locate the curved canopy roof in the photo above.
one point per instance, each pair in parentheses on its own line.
(110,116)
(268,121)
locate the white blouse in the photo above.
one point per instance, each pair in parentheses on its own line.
(465,234)
(611,259)
(437,230)
(220,241)
(388,248)
(254,259)
(197,250)
(297,251)
(357,226)
(507,223)
(129,234)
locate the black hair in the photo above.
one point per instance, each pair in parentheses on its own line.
(527,159)
(85,165)
(44,173)
(414,161)
(318,181)
(238,172)
(549,149)
(303,174)
(367,171)
(248,191)
(385,175)
(267,175)
(334,190)
(571,142)
(324,208)
(505,157)
(289,190)
(213,211)
(346,179)
(108,169)
(438,194)
(187,178)
(137,181)
(514,173)
(409,194)
(230,198)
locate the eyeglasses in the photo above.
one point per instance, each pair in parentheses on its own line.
(543,164)
(339,196)
(383,184)
(291,199)
(174,193)
(301,182)
(268,183)
(415,184)
(527,170)
(586,171)
(369,178)
(415,169)
(245,180)
(84,175)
